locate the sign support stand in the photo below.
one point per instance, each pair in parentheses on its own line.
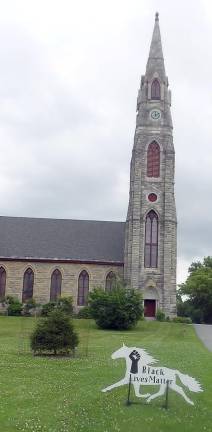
(167,395)
(128,394)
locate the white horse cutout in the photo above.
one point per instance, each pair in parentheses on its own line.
(140,371)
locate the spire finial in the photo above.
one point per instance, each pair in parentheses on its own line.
(157,16)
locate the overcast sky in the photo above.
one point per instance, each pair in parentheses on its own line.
(69,76)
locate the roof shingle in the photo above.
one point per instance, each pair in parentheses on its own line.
(62,239)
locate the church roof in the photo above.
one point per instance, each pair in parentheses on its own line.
(61,239)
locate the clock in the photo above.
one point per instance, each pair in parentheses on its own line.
(155,114)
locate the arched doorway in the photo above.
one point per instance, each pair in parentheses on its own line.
(150,302)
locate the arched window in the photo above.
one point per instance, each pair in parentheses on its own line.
(2,282)
(110,281)
(28,285)
(83,288)
(153,160)
(155,89)
(151,240)
(56,281)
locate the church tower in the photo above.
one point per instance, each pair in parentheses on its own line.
(150,237)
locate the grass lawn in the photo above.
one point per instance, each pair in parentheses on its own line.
(63,395)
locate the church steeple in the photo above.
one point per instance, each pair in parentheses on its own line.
(154,91)
(155,63)
(150,232)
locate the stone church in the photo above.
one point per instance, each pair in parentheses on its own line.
(48,258)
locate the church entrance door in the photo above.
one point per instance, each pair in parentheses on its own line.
(149,308)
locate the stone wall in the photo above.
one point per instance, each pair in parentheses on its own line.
(42,277)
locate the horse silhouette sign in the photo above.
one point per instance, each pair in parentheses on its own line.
(140,371)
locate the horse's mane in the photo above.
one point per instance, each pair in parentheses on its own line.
(144,354)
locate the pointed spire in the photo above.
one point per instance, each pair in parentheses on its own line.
(155,61)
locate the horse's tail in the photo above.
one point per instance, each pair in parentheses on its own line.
(190,382)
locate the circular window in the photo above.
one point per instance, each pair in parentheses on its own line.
(152,197)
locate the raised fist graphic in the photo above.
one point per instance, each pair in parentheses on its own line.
(135,357)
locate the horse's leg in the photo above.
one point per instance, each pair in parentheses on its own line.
(125,380)
(137,393)
(160,392)
(179,390)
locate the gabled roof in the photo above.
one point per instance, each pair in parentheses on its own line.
(61,239)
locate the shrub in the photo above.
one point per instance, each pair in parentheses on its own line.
(29,307)
(14,306)
(54,334)
(160,315)
(120,308)
(197,316)
(84,313)
(64,304)
(48,308)
(183,320)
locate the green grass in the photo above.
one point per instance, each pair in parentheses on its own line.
(64,395)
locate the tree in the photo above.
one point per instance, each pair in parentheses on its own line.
(198,289)
(55,333)
(118,309)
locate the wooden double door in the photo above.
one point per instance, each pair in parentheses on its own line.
(149,308)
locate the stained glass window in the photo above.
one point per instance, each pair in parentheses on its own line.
(56,281)
(83,288)
(153,160)
(110,281)
(151,240)
(28,283)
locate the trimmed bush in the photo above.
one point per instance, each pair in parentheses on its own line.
(64,304)
(160,315)
(29,307)
(48,308)
(84,313)
(54,334)
(14,306)
(183,320)
(119,309)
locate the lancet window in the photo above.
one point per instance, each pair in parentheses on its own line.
(151,240)
(83,288)
(155,89)
(153,160)
(28,284)
(2,282)
(110,281)
(56,282)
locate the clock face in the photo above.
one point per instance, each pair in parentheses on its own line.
(155,114)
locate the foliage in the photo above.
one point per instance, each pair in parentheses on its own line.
(64,304)
(28,307)
(48,308)
(54,334)
(160,315)
(118,309)
(182,319)
(84,312)
(62,395)
(14,306)
(198,289)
